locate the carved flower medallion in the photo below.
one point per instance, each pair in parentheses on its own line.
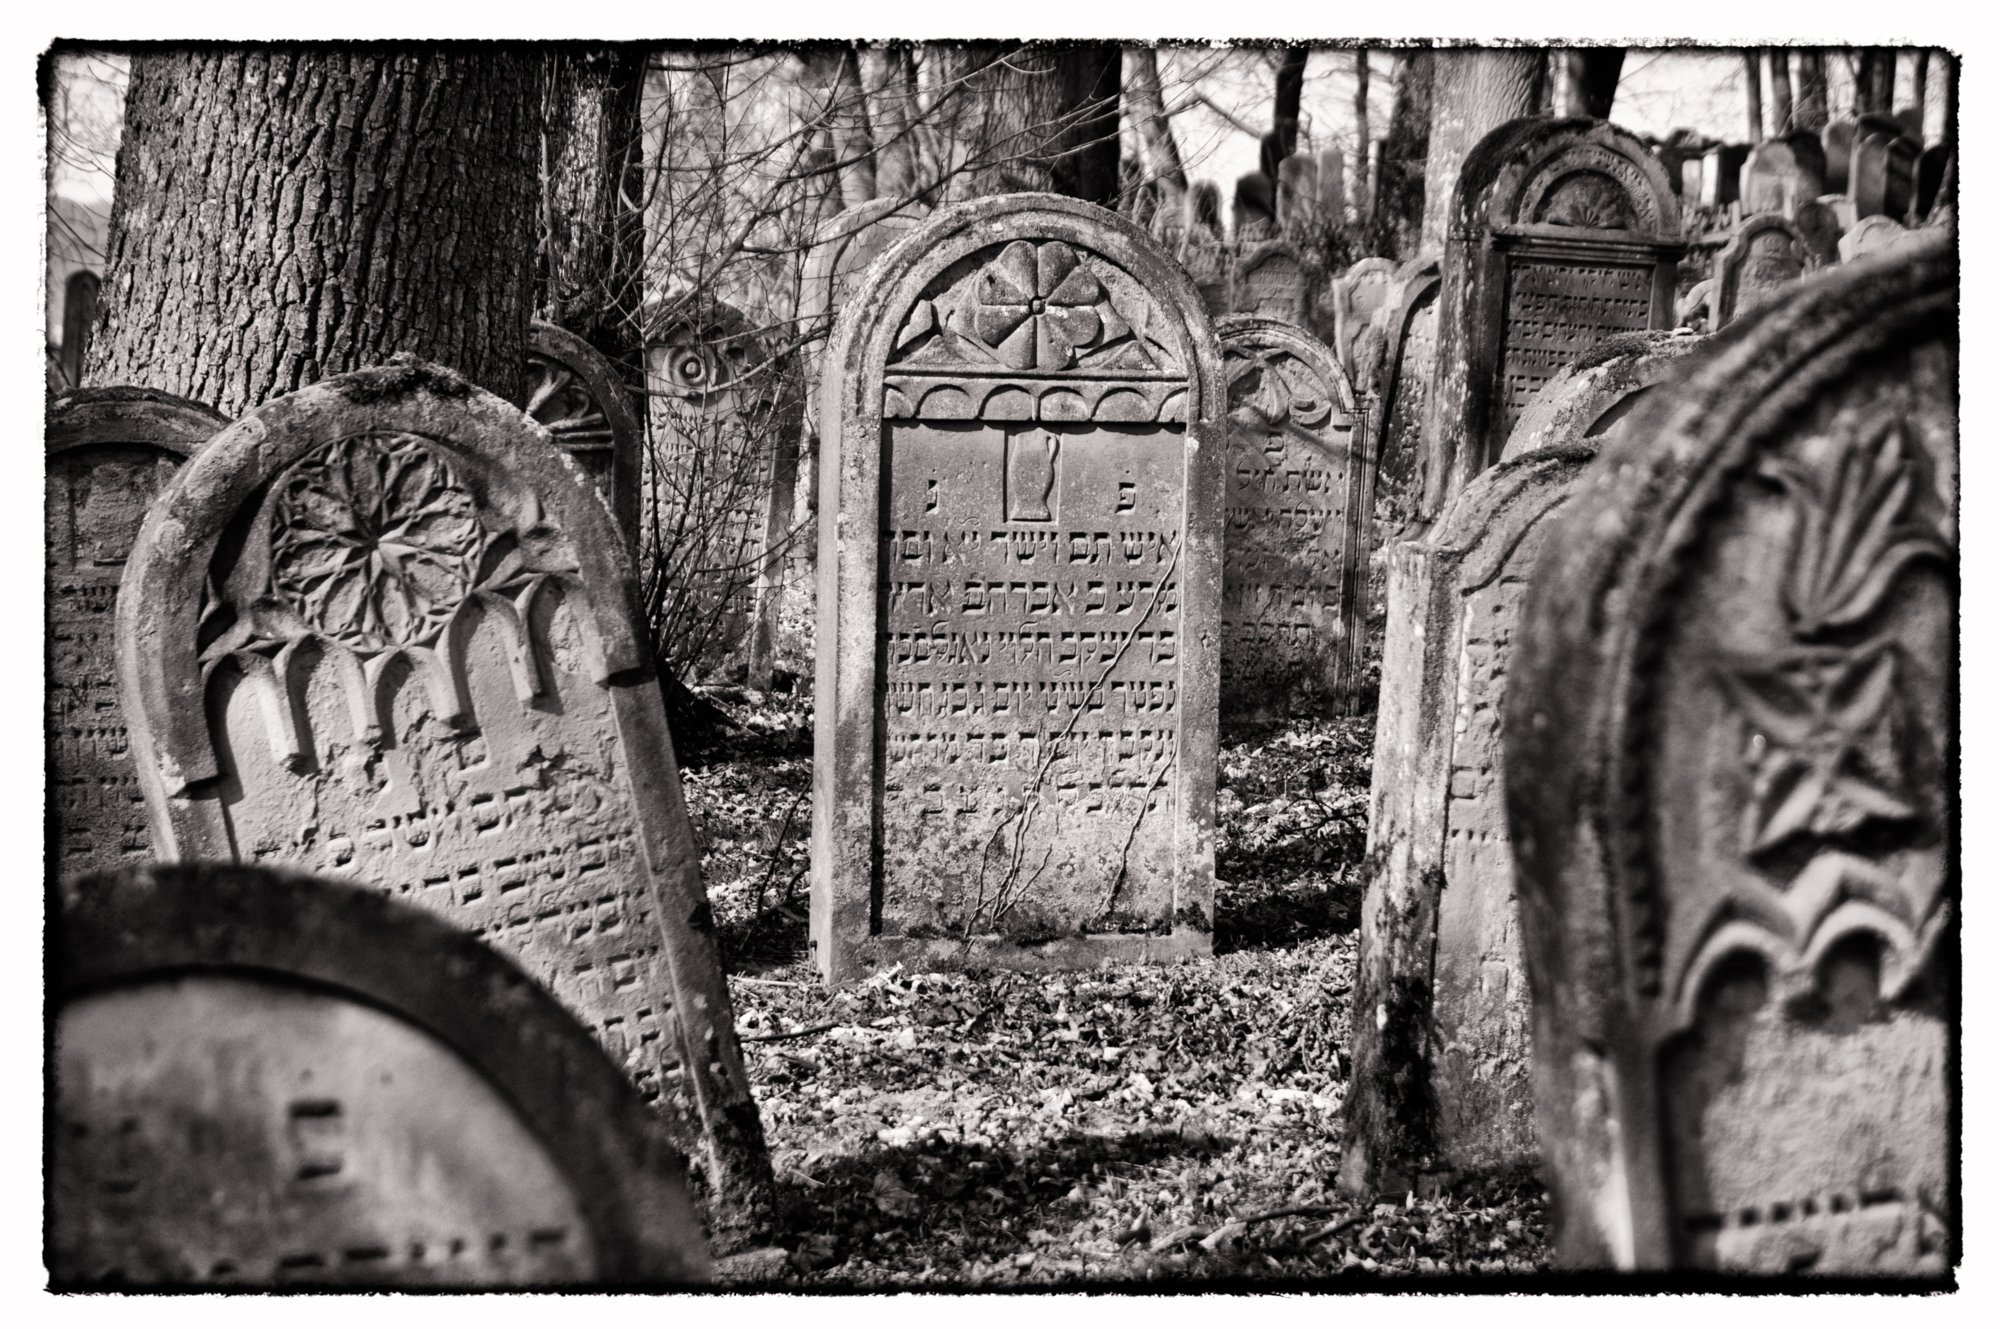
(1036,305)
(375,542)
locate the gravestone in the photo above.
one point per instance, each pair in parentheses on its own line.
(1274,280)
(841,249)
(1333,184)
(109,452)
(1402,401)
(1359,298)
(1930,177)
(1563,232)
(1202,253)
(1441,1075)
(576,394)
(1730,746)
(1295,543)
(1722,174)
(1298,197)
(265,1079)
(1675,155)
(1781,173)
(1595,395)
(382,628)
(720,487)
(1020,575)
(1872,235)
(1882,178)
(1766,258)
(1837,138)
(1819,230)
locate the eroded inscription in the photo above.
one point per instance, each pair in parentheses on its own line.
(1031,647)
(1557,309)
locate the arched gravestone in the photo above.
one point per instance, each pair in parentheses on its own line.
(577,395)
(1882,175)
(1295,542)
(267,1079)
(1781,173)
(1564,232)
(1730,746)
(1274,280)
(1403,398)
(109,452)
(1594,396)
(720,485)
(1838,138)
(841,249)
(1765,259)
(382,628)
(1020,573)
(1440,1081)
(1359,298)
(1819,229)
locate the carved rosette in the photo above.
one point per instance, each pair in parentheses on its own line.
(374,541)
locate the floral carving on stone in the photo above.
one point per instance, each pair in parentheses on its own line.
(374,541)
(1036,304)
(1587,198)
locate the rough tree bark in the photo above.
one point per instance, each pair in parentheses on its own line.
(1874,79)
(1362,182)
(1474,92)
(285,215)
(1397,208)
(1159,154)
(593,235)
(1040,118)
(1753,94)
(1590,80)
(1809,108)
(1778,67)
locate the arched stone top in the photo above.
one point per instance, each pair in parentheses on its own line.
(513,504)
(1766,254)
(843,245)
(1615,594)
(1249,338)
(1270,251)
(159,922)
(1574,174)
(1593,395)
(1488,520)
(129,416)
(1026,306)
(598,377)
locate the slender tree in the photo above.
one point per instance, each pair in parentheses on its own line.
(1159,154)
(1396,215)
(1778,62)
(1809,109)
(1291,85)
(286,214)
(1362,138)
(1590,79)
(1753,93)
(593,173)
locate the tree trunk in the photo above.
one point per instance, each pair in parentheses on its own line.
(1590,79)
(1362,183)
(1809,110)
(1395,219)
(1920,71)
(899,165)
(593,236)
(1285,104)
(1159,155)
(1475,91)
(1874,79)
(1753,94)
(1040,118)
(836,76)
(1779,65)
(282,215)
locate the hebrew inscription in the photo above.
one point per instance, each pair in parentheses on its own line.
(1557,309)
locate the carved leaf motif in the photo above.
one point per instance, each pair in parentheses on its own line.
(374,541)
(1853,536)
(1586,198)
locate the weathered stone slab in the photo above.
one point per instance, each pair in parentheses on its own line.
(1882,176)
(1403,400)
(1295,546)
(1020,577)
(1930,177)
(720,488)
(265,1079)
(1359,298)
(110,451)
(1722,174)
(1872,235)
(1563,232)
(1202,253)
(1441,1079)
(840,250)
(1274,280)
(1765,259)
(382,628)
(1782,173)
(1729,747)
(1595,395)
(576,394)
(1837,138)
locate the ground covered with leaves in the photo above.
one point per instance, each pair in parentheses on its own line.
(1124,1125)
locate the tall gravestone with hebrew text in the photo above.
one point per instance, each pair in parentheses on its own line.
(110,452)
(576,394)
(1296,525)
(264,1080)
(1731,743)
(381,628)
(1765,258)
(1020,576)
(1563,232)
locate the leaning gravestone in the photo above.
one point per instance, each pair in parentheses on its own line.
(1359,297)
(577,395)
(382,628)
(1402,400)
(1591,400)
(720,485)
(110,451)
(1295,545)
(1563,232)
(1764,259)
(1730,744)
(265,1079)
(1021,565)
(1439,1027)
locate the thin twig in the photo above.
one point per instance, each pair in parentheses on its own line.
(806,1032)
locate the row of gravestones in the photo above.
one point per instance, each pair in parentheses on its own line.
(1863,166)
(377,628)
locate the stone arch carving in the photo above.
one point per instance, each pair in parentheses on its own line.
(528,1131)
(1734,827)
(383,627)
(577,394)
(1001,341)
